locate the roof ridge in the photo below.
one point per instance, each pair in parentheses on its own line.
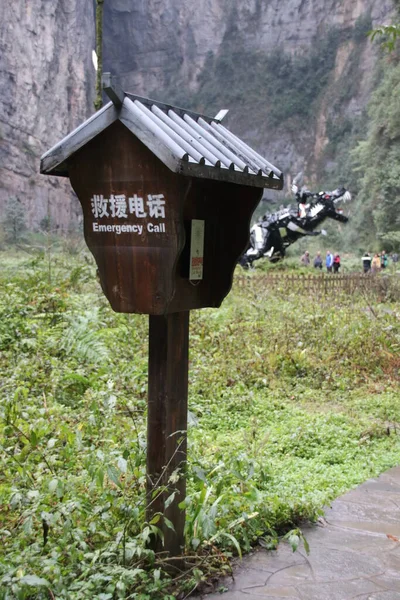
(165,107)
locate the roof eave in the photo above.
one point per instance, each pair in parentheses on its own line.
(51,163)
(229,176)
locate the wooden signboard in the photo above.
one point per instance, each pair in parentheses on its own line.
(164,245)
(167,199)
(140,222)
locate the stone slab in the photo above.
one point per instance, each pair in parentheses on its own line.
(354,553)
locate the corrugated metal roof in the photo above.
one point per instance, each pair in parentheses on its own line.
(186,142)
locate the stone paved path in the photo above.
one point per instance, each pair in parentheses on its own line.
(354,553)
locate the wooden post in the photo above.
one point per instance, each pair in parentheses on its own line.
(167,424)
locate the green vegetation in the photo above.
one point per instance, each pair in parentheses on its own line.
(366,152)
(389,34)
(293,400)
(13,225)
(376,161)
(364,149)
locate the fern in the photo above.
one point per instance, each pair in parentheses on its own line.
(82,338)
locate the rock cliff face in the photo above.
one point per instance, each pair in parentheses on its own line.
(150,42)
(296,76)
(254,57)
(47,89)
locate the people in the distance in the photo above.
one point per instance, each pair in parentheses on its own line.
(384,259)
(336,263)
(318,261)
(329,261)
(305,259)
(366,262)
(376,264)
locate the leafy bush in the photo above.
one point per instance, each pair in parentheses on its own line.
(293,400)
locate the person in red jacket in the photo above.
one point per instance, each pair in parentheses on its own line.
(336,263)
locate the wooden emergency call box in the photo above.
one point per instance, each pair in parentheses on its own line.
(167,196)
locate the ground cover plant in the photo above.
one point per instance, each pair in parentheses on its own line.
(293,400)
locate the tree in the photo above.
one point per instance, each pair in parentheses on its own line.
(14,222)
(98,103)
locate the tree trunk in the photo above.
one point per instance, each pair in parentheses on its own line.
(98,103)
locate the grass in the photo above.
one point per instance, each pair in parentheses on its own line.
(293,400)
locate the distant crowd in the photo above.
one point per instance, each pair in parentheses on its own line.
(378,262)
(332,261)
(372,264)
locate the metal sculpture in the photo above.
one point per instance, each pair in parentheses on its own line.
(276,231)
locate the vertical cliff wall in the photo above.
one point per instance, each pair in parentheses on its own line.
(149,43)
(294,74)
(47,89)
